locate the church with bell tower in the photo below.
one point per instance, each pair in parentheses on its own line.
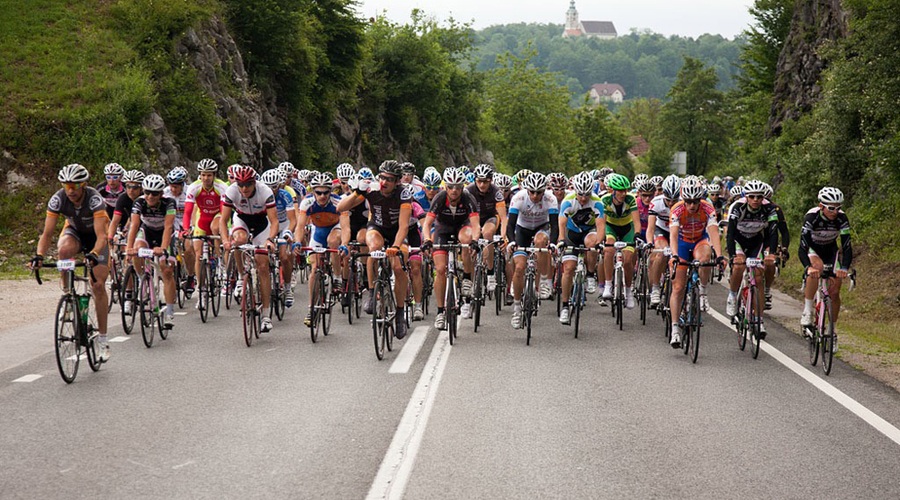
(590,29)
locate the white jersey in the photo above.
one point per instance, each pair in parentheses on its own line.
(661,211)
(533,215)
(262,200)
(179,204)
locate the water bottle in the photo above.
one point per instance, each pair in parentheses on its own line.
(83,303)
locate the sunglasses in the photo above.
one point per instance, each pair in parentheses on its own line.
(646,195)
(152,193)
(691,202)
(246,184)
(176,184)
(832,208)
(453,187)
(538,193)
(72,185)
(432,188)
(387,178)
(132,186)
(113,177)
(322,193)
(754,196)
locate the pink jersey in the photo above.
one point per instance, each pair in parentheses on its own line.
(692,227)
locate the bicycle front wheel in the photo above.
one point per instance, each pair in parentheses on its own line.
(315,309)
(813,342)
(248,310)
(88,339)
(753,323)
(478,295)
(643,292)
(130,287)
(694,345)
(203,289)
(379,320)
(215,288)
(829,337)
(528,307)
(148,312)
(576,301)
(450,308)
(68,350)
(230,281)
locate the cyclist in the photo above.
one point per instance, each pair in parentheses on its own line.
(121,219)
(822,226)
(176,179)
(645,191)
(622,220)
(658,219)
(414,237)
(715,197)
(784,236)
(84,231)
(153,226)
(600,188)
(692,227)
(389,204)
(320,208)
(409,177)
(533,221)
(752,228)
(580,223)
(202,207)
(287,220)
(558,183)
(112,188)
(353,227)
(454,215)
(432,182)
(657,181)
(491,212)
(250,206)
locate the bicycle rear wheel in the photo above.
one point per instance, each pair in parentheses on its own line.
(829,337)
(179,285)
(230,280)
(248,310)
(379,320)
(215,288)
(203,288)
(316,306)
(148,313)
(694,345)
(451,308)
(130,281)
(68,350)
(576,301)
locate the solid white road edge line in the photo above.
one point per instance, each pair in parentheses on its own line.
(880,424)
(396,467)
(410,349)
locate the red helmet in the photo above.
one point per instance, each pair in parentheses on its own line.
(244,174)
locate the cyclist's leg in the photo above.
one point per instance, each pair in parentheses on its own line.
(590,258)
(414,238)
(440,281)
(375,241)
(98,284)
(488,230)
(262,269)
(542,240)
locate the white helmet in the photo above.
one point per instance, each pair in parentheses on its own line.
(133,176)
(113,169)
(322,179)
(272,177)
(345,171)
(692,188)
(672,187)
(755,187)
(73,173)
(769,191)
(831,196)
(536,181)
(583,183)
(736,191)
(454,177)
(207,165)
(502,181)
(177,175)
(432,178)
(154,182)
(640,179)
(484,171)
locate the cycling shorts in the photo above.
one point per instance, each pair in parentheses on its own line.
(86,242)
(686,249)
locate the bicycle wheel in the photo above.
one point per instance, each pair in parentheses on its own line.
(88,339)
(163,332)
(248,310)
(316,306)
(179,285)
(350,293)
(277,298)
(130,281)
(643,292)
(326,312)
(528,307)
(68,351)
(694,350)
(829,337)
(478,295)
(753,323)
(148,321)
(813,339)
(215,288)
(743,329)
(390,308)
(379,320)
(576,301)
(115,280)
(620,297)
(450,308)
(230,280)
(203,289)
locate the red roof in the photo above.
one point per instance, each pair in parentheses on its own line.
(607,89)
(639,145)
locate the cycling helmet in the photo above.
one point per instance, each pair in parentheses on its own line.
(769,192)
(113,169)
(604,172)
(657,181)
(407,168)
(390,167)
(502,181)
(232,169)
(717,180)
(618,182)
(755,187)
(672,187)
(470,177)
(454,177)
(583,183)
(536,181)
(177,175)
(639,179)
(430,169)
(595,175)
(557,180)
(244,174)
(484,171)
(432,179)
(272,178)
(345,171)
(303,175)
(366,173)
(154,182)
(73,173)
(322,179)
(692,188)
(831,196)
(207,165)
(713,188)
(521,175)
(133,176)
(736,191)
(464,169)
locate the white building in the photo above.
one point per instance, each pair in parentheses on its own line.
(590,29)
(607,92)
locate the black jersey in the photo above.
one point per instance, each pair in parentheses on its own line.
(123,208)
(81,217)
(111,197)
(487,202)
(154,218)
(745,224)
(453,214)
(384,211)
(818,232)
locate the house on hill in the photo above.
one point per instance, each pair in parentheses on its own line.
(590,29)
(611,92)
(639,147)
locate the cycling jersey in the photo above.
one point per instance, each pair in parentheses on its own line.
(253,210)
(422,199)
(487,202)
(284,203)
(321,216)
(453,215)
(618,215)
(581,218)
(359,216)
(644,213)
(530,215)
(384,210)
(180,202)
(208,202)
(110,197)
(819,236)
(751,228)
(691,227)
(300,190)
(123,210)
(661,211)
(80,218)
(154,218)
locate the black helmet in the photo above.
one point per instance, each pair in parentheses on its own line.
(391,167)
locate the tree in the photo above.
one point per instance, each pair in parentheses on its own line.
(693,119)
(528,116)
(600,137)
(765,39)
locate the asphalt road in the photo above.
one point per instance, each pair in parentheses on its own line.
(612,414)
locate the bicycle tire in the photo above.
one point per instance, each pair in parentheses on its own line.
(350,293)
(326,320)
(391,311)
(527,307)
(695,326)
(203,288)
(478,295)
(742,327)
(89,336)
(163,332)
(576,301)
(115,281)
(753,323)
(180,294)
(314,308)
(230,281)
(67,348)
(813,341)
(643,292)
(248,309)
(620,299)
(828,338)
(378,328)
(128,319)
(148,324)
(215,289)
(451,308)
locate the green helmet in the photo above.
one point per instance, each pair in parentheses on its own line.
(618,182)
(520,176)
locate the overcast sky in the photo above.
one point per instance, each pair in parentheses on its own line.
(669,17)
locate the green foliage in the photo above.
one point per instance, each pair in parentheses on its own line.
(644,63)
(693,120)
(765,39)
(601,140)
(529,116)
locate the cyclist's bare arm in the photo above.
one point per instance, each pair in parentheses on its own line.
(47,234)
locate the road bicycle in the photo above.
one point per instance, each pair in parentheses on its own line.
(277,302)
(427,281)
(664,309)
(251,297)
(578,298)
(821,335)
(479,289)
(748,319)
(691,318)
(641,282)
(499,276)
(618,298)
(150,302)
(116,270)
(531,300)
(354,284)
(75,330)
(322,299)
(384,310)
(453,290)
(179,272)
(209,285)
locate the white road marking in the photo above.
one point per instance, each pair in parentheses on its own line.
(880,424)
(28,378)
(82,357)
(120,338)
(393,474)
(189,462)
(180,313)
(410,349)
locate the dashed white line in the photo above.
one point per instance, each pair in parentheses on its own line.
(393,474)
(880,424)
(120,338)
(410,349)
(28,378)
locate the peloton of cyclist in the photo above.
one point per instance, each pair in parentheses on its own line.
(580,223)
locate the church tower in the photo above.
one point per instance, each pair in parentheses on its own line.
(573,26)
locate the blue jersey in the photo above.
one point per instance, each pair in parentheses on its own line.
(422,200)
(283,202)
(299,188)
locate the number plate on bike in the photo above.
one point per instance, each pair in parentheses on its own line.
(65,265)
(754,262)
(319,250)
(620,245)
(377,254)
(145,253)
